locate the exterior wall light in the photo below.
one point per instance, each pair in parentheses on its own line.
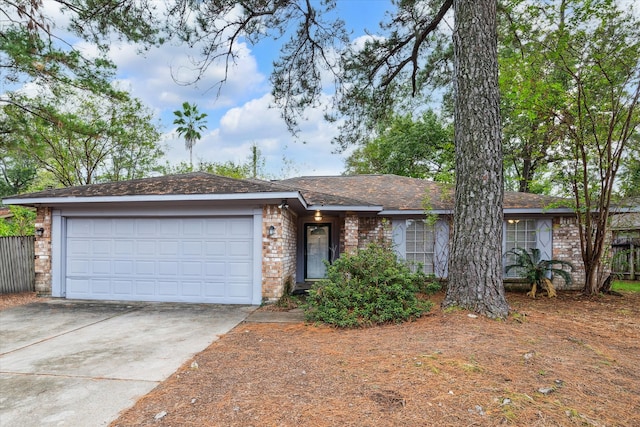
(318,216)
(272,231)
(513,221)
(39,232)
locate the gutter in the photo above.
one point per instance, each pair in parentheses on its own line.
(52,201)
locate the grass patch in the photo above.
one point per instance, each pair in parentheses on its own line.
(626,285)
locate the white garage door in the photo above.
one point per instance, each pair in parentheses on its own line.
(160,259)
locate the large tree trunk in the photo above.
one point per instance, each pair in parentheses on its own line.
(593,231)
(475,267)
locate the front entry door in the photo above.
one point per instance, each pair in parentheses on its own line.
(317,245)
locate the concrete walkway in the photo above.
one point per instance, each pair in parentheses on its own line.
(78,363)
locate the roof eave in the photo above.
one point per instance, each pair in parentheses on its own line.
(343,208)
(624,210)
(507,211)
(511,211)
(156,198)
(394,212)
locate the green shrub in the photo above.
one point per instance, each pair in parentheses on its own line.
(534,269)
(371,286)
(21,224)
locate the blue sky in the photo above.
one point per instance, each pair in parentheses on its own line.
(240,116)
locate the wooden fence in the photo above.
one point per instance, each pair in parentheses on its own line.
(17,270)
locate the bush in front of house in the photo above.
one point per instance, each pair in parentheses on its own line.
(369,287)
(20,224)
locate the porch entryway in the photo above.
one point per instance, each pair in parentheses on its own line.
(317,246)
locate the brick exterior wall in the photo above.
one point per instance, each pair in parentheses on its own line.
(349,233)
(43,252)
(374,229)
(566,241)
(357,232)
(566,247)
(278,251)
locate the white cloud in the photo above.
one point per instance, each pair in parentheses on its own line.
(359,42)
(255,123)
(154,76)
(253,118)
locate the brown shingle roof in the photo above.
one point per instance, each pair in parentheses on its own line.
(403,193)
(191,183)
(391,192)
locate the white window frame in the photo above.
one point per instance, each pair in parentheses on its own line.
(519,233)
(421,244)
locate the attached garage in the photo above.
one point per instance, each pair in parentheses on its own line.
(203,260)
(195,238)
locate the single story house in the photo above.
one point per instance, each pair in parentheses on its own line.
(204,238)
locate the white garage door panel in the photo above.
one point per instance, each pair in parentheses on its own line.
(160,259)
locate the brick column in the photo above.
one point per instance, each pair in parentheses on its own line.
(351,226)
(278,251)
(43,251)
(566,247)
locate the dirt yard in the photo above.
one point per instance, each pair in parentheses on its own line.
(555,362)
(564,361)
(11,300)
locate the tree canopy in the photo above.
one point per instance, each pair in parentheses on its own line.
(190,123)
(570,80)
(53,106)
(34,53)
(17,173)
(92,141)
(421,148)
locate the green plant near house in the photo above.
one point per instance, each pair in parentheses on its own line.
(288,301)
(371,286)
(21,224)
(538,271)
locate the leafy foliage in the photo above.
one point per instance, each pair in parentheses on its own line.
(35,56)
(421,148)
(395,70)
(41,76)
(530,87)
(630,172)
(371,286)
(600,116)
(16,174)
(570,80)
(534,269)
(21,224)
(190,123)
(84,139)
(229,168)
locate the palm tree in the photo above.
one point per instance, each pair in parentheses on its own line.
(190,122)
(538,271)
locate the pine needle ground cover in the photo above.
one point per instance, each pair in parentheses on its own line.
(562,361)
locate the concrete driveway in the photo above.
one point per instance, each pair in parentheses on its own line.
(80,363)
